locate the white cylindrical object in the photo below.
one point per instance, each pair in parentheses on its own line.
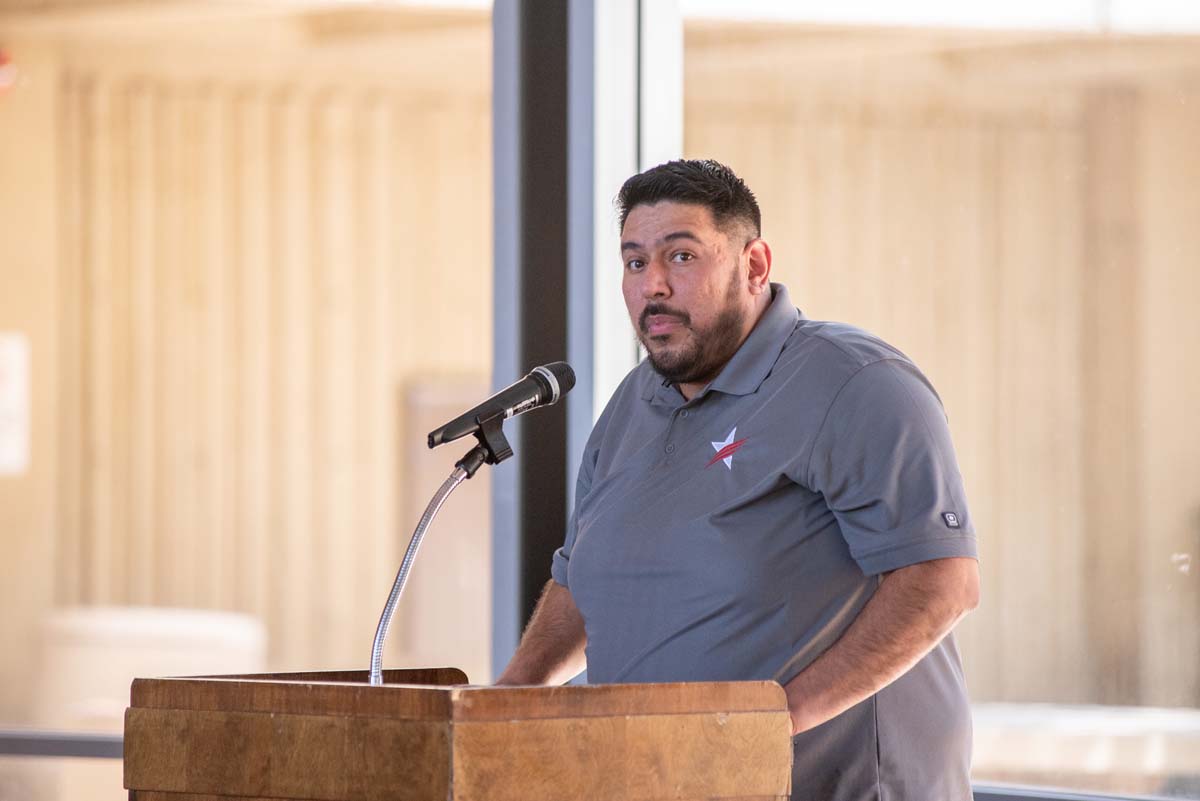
(89,657)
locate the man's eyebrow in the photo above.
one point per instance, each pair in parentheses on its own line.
(671,237)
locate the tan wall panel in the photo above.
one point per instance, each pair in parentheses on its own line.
(254,313)
(218,345)
(1170,525)
(29,304)
(1065,400)
(70,378)
(379,436)
(1032,557)
(335,273)
(143,539)
(1110,354)
(97,311)
(292,529)
(174,252)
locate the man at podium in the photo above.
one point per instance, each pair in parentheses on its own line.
(767,497)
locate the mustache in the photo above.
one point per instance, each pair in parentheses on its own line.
(664,310)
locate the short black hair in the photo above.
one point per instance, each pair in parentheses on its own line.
(703,182)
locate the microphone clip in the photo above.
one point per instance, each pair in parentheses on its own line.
(493,446)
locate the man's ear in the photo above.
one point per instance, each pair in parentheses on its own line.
(758,257)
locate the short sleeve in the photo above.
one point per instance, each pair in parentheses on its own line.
(583,484)
(884,462)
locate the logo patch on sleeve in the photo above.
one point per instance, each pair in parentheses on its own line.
(951,519)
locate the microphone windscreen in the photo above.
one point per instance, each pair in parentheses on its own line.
(565,376)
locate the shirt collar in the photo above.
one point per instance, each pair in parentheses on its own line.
(753,361)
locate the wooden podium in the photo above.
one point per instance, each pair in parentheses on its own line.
(426,736)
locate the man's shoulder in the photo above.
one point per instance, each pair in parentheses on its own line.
(836,347)
(844,342)
(823,358)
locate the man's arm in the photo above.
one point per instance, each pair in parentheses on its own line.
(911,611)
(552,647)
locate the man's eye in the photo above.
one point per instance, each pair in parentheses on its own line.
(635,264)
(682,256)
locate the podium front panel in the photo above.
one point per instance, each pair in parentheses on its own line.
(332,737)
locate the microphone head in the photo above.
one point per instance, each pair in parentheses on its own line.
(559,376)
(565,375)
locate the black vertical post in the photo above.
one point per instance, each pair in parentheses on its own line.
(543,268)
(530,47)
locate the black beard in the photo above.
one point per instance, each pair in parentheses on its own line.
(709,350)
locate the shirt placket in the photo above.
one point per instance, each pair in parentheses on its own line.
(679,427)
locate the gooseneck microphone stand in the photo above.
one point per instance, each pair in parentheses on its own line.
(492,448)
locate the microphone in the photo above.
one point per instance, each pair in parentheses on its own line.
(542,387)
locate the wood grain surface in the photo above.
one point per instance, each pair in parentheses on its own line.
(151,795)
(402,702)
(195,739)
(624,757)
(321,757)
(574,701)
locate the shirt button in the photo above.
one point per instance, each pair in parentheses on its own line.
(684,413)
(670,447)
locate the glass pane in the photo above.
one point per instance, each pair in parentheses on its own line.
(1016,210)
(249,249)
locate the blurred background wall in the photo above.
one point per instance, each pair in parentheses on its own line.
(251,254)
(1017,212)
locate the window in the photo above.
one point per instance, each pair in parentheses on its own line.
(1015,209)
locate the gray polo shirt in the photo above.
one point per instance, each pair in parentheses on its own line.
(737,535)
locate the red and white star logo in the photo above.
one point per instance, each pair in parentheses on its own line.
(725,450)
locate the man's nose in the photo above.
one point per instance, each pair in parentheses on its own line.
(656,283)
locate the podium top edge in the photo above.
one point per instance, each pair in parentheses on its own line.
(459,703)
(506,703)
(439,676)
